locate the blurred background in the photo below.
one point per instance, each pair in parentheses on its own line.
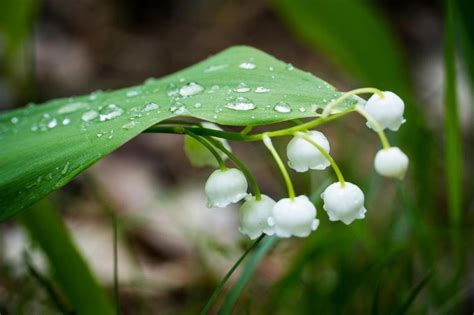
(412,254)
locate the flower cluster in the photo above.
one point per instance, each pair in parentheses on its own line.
(307,150)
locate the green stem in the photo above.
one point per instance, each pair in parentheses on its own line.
(252,182)
(220,287)
(211,149)
(246,130)
(116,277)
(346,95)
(327,156)
(248,138)
(375,126)
(289,185)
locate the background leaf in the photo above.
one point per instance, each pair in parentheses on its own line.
(67,265)
(44,147)
(355,36)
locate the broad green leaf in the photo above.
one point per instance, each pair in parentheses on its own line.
(42,147)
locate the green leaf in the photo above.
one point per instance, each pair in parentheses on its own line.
(246,275)
(452,128)
(44,147)
(354,34)
(71,272)
(408,301)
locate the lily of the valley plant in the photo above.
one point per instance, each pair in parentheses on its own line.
(307,150)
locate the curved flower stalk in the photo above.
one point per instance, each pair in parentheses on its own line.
(198,154)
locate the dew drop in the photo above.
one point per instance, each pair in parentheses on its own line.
(215,68)
(242,88)
(261,89)
(302,109)
(179,109)
(66,121)
(247,65)
(241,103)
(110,112)
(65,168)
(282,107)
(290,67)
(14,120)
(129,125)
(172,90)
(150,107)
(197,105)
(52,123)
(90,115)
(132,93)
(190,88)
(72,107)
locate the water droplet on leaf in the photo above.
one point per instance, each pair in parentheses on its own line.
(150,107)
(215,68)
(241,103)
(261,89)
(90,115)
(110,112)
(242,88)
(132,93)
(282,107)
(247,65)
(191,88)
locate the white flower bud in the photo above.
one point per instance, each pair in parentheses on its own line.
(294,217)
(224,187)
(303,155)
(386,110)
(391,162)
(254,216)
(344,204)
(198,154)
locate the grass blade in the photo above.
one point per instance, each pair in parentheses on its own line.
(403,308)
(222,283)
(246,274)
(76,280)
(452,129)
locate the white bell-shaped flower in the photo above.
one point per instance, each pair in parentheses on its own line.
(386,110)
(224,187)
(344,204)
(198,154)
(294,217)
(303,155)
(391,162)
(254,216)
